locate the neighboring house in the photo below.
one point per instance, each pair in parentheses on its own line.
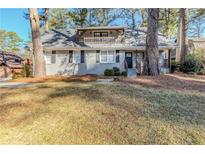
(194,44)
(91,50)
(9,63)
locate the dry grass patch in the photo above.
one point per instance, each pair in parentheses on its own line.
(82,78)
(91,113)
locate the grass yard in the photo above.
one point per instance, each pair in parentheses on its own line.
(129,112)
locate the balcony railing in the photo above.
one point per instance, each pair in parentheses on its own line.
(100,40)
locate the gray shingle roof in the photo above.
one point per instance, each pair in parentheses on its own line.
(132,39)
(137,38)
(59,38)
(10,59)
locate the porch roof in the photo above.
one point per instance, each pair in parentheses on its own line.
(101,28)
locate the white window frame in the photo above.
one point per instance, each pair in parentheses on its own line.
(47,57)
(100,32)
(107,59)
(76,57)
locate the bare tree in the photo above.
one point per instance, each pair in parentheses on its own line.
(143,13)
(39,63)
(151,63)
(196,23)
(129,14)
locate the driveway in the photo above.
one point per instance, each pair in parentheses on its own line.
(4,83)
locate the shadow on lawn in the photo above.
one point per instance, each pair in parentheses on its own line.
(169,82)
(169,106)
(5,107)
(165,105)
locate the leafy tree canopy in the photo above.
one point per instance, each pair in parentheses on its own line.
(10,41)
(58,18)
(78,17)
(168,21)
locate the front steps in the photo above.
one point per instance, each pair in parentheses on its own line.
(132,73)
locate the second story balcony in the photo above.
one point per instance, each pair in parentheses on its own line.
(101,40)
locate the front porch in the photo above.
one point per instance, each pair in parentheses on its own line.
(135,59)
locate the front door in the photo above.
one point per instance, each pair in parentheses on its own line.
(128,58)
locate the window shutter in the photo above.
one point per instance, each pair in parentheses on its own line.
(53,57)
(82,56)
(70,56)
(97,56)
(117,56)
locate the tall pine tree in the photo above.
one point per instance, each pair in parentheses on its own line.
(151,63)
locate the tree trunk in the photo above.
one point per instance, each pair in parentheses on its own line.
(182,40)
(39,63)
(46,20)
(151,63)
(133,20)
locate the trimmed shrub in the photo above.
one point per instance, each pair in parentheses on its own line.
(124,73)
(26,71)
(201,72)
(108,72)
(192,63)
(116,71)
(174,66)
(16,75)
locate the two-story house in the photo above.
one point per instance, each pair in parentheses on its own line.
(91,50)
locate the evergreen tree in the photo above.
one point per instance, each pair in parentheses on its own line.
(10,41)
(39,63)
(182,39)
(168,21)
(78,17)
(58,18)
(104,16)
(151,63)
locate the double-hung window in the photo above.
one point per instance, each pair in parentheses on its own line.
(103,56)
(70,56)
(50,57)
(100,34)
(107,56)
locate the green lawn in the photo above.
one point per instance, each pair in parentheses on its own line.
(91,113)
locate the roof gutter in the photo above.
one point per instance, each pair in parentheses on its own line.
(101,48)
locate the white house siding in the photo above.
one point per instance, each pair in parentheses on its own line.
(98,68)
(162,57)
(63,67)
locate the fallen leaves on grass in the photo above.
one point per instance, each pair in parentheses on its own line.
(177,81)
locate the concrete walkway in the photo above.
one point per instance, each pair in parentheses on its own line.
(5,79)
(132,73)
(14,84)
(104,81)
